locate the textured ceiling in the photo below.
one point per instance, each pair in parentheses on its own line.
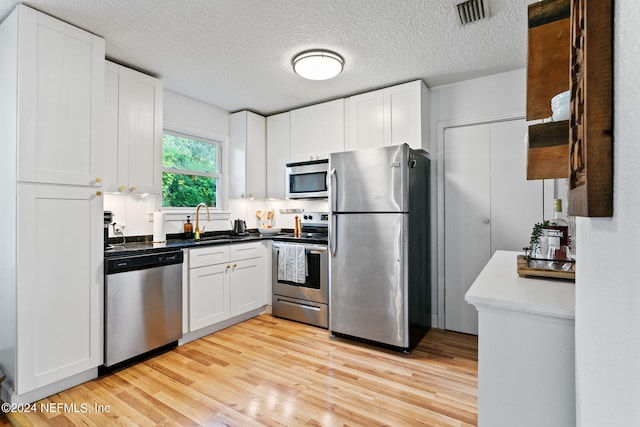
(236,54)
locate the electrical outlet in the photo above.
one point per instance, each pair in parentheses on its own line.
(119,228)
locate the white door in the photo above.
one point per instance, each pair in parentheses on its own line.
(365,120)
(277,154)
(60,283)
(208,295)
(61,102)
(488,205)
(317,131)
(246,286)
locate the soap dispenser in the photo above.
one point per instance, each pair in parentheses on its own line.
(188,228)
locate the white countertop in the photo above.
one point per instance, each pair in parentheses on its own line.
(499,286)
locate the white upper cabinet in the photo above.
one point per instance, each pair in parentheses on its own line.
(278,154)
(389,116)
(317,131)
(60,101)
(133,156)
(247,164)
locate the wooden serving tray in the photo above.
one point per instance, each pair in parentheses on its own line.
(553,269)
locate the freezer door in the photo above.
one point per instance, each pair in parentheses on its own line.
(367,285)
(370,180)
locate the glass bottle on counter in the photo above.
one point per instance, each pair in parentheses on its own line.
(188,228)
(558,234)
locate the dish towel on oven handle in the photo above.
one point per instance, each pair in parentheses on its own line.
(292,263)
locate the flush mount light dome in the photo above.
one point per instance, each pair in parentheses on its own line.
(318,64)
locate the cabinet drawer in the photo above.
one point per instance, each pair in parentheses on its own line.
(245,250)
(208,256)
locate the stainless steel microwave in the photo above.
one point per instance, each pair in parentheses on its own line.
(307,180)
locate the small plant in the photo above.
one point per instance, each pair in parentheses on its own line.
(537,231)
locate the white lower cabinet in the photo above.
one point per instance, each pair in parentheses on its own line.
(224,281)
(209,295)
(245,290)
(59,284)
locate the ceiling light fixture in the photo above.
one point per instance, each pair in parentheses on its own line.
(318,64)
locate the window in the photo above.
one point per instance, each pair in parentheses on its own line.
(190,171)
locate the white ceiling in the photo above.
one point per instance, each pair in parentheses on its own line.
(236,54)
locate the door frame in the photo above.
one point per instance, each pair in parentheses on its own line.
(441,127)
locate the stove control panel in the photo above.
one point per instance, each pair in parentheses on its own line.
(315,219)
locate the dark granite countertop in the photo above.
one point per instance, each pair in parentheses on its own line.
(143,244)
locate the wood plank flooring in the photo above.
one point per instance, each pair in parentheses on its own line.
(273,372)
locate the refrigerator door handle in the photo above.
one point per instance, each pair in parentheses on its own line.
(333,235)
(333,229)
(332,178)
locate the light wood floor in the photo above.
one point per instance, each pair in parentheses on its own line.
(269,371)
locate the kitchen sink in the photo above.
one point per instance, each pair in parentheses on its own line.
(223,237)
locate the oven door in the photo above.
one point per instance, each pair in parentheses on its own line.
(316,286)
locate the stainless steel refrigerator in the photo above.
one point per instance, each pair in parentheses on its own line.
(379,280)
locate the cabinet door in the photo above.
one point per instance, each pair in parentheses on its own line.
(317,131)
(390,116)
(247,165)
(365,120)
(133,117)
(277,154)
(208,295)
(403,113)
(60,283)
(141,115)
(61,101)
(489,206)
(246,290)
(112,125)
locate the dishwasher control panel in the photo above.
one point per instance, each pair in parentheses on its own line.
(137,262)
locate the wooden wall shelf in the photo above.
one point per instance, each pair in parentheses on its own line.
(591,146)
(548,154)
(548,55)
(547,76)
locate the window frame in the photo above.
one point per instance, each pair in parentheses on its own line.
(222,186)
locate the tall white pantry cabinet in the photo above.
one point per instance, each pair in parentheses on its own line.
(51,277)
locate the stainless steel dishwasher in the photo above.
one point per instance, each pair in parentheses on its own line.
(143,304)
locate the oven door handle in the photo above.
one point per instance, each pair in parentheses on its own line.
(318,252)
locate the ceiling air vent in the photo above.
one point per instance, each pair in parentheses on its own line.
(471,11)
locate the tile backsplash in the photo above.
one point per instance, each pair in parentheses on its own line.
(133,211)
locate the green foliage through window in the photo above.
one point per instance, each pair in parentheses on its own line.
(190,171)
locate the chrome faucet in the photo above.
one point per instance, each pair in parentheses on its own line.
(198,231)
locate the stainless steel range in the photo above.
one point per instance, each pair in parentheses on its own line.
(300,282)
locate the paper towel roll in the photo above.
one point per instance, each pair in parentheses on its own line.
(159,235)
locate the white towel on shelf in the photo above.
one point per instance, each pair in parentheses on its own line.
(292,263)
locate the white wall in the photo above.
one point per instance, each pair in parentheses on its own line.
(481,100)
(607,280)
(180,113)
(196,117)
